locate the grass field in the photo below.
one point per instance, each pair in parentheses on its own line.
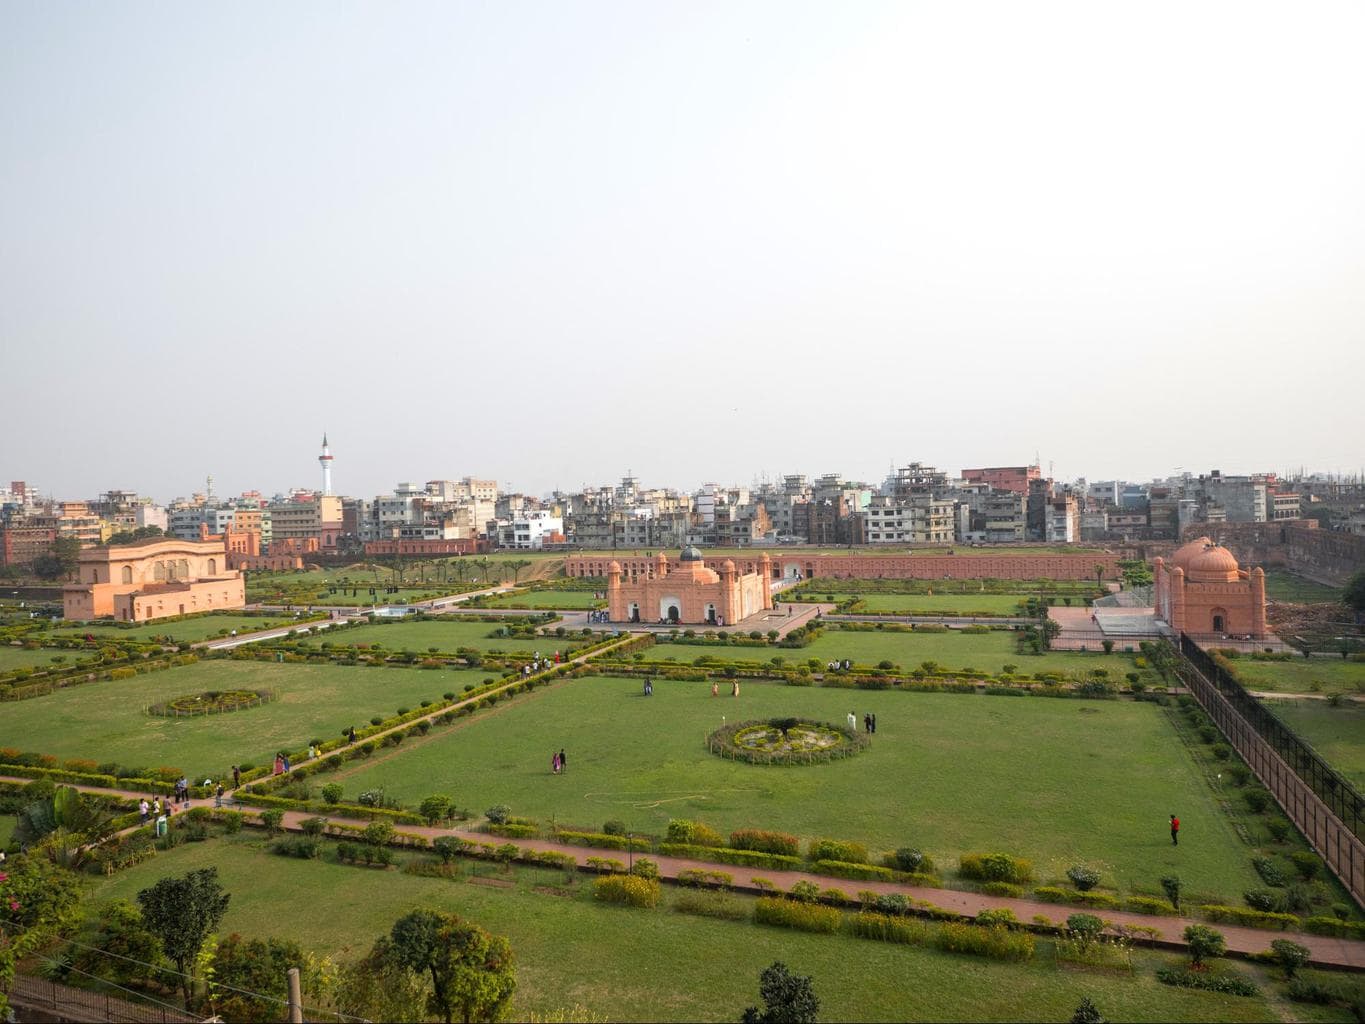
(984,651)
(647,965)
(17,657)
(959,604)
(185,631)
(447,636)
(571,599)
(1286,586)
(1338,734)
(1302,675)
(1059,781)
(313,586)
(106,721)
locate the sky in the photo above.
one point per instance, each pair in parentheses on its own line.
(551,243)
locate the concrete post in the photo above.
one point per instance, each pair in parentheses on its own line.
(295,997)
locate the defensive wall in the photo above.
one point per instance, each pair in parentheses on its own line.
(1299,545)
(788,564)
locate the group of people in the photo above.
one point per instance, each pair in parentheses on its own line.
(281,763)
(598,616)
(182,790)
(869,722)
(734,688)
(839,666)
(539,664)
(649,687)
(559,762)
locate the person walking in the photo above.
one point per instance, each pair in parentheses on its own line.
(852,722)
(218,796)
(1175,830)
(554,763)
(563,761)
(715,688)
(874,723)
(144,809)
(867,722)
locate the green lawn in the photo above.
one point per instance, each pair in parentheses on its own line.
(185,631)
(958,604)
(1338,734)
(313,586)
(1281,585)
(649,965)
(106,721)
(984,651)
(17,657)
(1059,781)
(1300,675)
(400,635)
(571,599)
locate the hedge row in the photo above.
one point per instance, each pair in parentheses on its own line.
(739,858)
(601,840)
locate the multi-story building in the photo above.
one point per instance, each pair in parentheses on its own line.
(1004,478)
(1063,520)
(913,519)
(313,515)
(531,531)
(153,580)
(1233,499)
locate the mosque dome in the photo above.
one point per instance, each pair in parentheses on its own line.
(1184,554)
(690,554)
(1212,565)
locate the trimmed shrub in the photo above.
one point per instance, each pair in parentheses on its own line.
(1269,871)
(765,842)
(1204,943)
(837,850)
(1149,905)
(1250,918)
(891,928)
(996,943)
(1307,863)
(1290,955)
(1257,800)
(995,867)
(629,890)
(1083,878)
(1228,984)
(806,917)
(855,872)
(693,833)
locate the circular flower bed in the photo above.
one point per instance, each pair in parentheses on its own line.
(211,702)
(785,741)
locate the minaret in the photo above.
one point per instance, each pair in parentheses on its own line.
(325,461)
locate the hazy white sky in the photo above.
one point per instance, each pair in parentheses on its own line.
(550,242)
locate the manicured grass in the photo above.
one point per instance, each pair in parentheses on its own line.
(1058,781)
(575,599)
(1286,586)
(401,635)
(649,965)
(1338,734)
(184,631)
(106,721)
(1299,675)
(959,604)
(17,657)
(312,587)
(954,649)
(7,823)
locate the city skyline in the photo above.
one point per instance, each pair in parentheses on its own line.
(704,240)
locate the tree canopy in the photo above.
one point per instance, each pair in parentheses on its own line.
(787,998)
(181,912)
(471,972)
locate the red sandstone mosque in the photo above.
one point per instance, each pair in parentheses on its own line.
(686,591)
(153,580)
(1201,590)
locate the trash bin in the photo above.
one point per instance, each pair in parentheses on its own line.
(161,826)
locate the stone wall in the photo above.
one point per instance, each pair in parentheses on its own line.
(1294,544)
(916,567)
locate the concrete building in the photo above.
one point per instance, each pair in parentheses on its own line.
(153,580)
(687,592)
(531,531)
(1063,520)
(1202,591)
(1004,478)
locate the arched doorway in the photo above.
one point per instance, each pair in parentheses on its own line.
(670,609)
(710,615)
(1220,620)
(673,615)
(634,612)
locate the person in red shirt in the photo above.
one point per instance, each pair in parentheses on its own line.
(1175,830)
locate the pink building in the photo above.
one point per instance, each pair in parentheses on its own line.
(153,580)
(688,592)
(1003,478)
(1201,590)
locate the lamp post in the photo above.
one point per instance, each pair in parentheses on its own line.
(630,853)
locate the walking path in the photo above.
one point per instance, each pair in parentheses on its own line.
(1326,951)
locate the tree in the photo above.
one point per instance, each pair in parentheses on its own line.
(471,971)
(48,567)
(787,998)
(1204,943)
(1051,630)
(435,808)
(379,988)
(181,912)
(518,564)
(1087,1013)
(242,966)
(1171,885)
(1354,595)
(1290,955)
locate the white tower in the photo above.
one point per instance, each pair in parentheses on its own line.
(325,461)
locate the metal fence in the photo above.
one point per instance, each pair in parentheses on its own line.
(78,1004)
(1325,807)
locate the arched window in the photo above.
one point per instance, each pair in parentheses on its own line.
(213,567)
(126,574)
(159,572)
(182,569)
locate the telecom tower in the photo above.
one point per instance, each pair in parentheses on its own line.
(325,461)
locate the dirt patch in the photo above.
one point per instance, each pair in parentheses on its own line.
(496,883)
(552,890)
